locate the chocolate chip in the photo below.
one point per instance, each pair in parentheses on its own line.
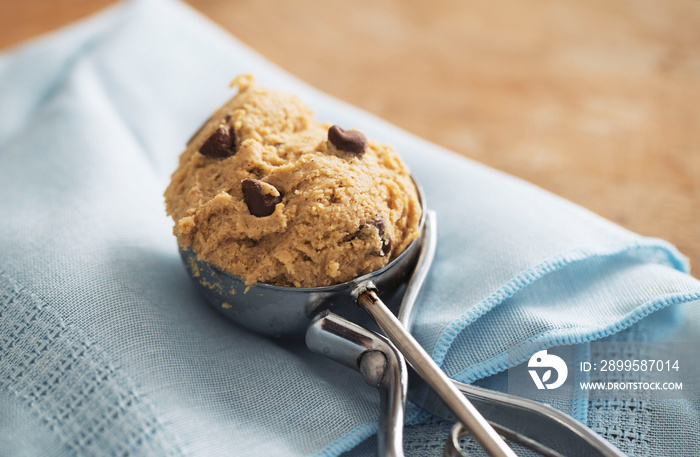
(381,231)
(386,245)
(260,197)
(349,141)
(379,224)
(221,143)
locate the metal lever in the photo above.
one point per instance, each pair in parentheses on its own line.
(535,425)
(428,370)
(382,366)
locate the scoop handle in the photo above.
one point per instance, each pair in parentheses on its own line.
(429,371)
(382,366)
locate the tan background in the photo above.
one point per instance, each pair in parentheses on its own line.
(595,100)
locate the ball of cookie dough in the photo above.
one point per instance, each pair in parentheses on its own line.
(267,193)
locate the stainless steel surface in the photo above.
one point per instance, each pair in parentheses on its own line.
(452,446)
(373,366)
(381,365)
(454,449)
(428,370)
(421,270)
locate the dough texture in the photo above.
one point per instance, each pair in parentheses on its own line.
(262,193)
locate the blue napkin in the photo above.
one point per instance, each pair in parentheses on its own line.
(106,348)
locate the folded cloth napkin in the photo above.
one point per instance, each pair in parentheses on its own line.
(106,348)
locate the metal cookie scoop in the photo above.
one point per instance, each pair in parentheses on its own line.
(328,317)
(286,311)
(534,425)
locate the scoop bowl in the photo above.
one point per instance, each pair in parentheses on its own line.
(287,311)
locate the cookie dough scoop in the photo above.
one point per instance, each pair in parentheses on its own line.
(288,312)
(282,220)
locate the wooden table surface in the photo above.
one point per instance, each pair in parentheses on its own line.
(595,100)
